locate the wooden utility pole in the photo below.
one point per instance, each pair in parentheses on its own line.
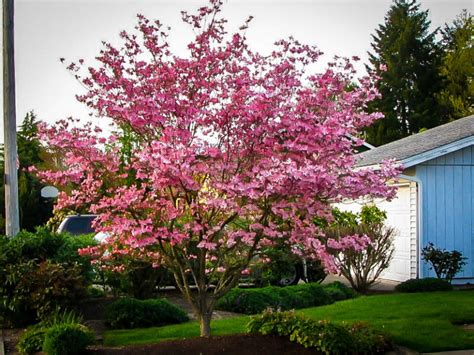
(12,216)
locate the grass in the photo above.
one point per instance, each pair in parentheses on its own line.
(423,322)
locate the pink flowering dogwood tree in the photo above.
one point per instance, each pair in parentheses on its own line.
(214,155)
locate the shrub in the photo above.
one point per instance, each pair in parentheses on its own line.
(39,272)
(446,264)
(322,335)
(424,285)
(132,313)
(338,291)
(362,268)
(68,339)
(31,341)
(310,295)
(252,301)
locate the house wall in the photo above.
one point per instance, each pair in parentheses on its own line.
(447,185)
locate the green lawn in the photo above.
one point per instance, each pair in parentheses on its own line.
(423,322)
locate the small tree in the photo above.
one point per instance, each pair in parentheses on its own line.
(361,264)
(446,264)
(227,151)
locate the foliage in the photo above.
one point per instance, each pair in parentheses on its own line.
(252,301)
(132,313)
(226,151)
(39,272)
(446,264)
(457,69)
(338,291)
(34,210)
(70,339)
(326,337)
(138,279)
(362,266)
(31,341)
(407,59)
(424,285)
(280,266)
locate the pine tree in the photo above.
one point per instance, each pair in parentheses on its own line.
(407,59)
(457,96)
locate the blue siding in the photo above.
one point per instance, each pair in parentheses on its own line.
(448,205)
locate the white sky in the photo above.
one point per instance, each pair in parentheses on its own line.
(49,29)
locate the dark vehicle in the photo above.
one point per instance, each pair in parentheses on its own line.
(77,224)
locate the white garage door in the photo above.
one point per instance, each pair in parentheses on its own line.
(398,216)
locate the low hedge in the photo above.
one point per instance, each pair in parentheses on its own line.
(252,301)
(129,313)
(324,336)
(424,285)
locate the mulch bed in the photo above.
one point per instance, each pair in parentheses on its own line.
(243,344)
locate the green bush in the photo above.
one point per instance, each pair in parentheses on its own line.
(70,339)
(132,313)
(252,301)
(424,285)
(338,291)
(31,341)
(324,336)
(446,264)
(39,272)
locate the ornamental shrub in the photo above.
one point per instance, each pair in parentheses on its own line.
(424,285)
(446,264)
(362,266)
(70,339)
(39,272)
(132,313)
(324,336)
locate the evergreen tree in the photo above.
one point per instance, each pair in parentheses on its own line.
(457,96)
(407,59)
(34,210)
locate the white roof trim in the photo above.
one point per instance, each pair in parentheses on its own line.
(437,152)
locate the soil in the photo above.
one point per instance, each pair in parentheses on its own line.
(244,344)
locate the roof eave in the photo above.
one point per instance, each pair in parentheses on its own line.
(437,152)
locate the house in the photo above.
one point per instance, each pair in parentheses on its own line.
(435,197)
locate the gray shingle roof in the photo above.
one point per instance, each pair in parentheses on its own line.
(419,143)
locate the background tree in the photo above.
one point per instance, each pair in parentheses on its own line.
(407,59)
(230,151)
(34,210)
(457,69)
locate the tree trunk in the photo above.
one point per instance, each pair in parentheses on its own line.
(205,323)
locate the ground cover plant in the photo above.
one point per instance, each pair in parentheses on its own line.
(324,336)
(424,322)
(214,155)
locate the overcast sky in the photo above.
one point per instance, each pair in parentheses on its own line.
(49,29)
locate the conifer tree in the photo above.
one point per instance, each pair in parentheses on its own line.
(407,59)
(457,96)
